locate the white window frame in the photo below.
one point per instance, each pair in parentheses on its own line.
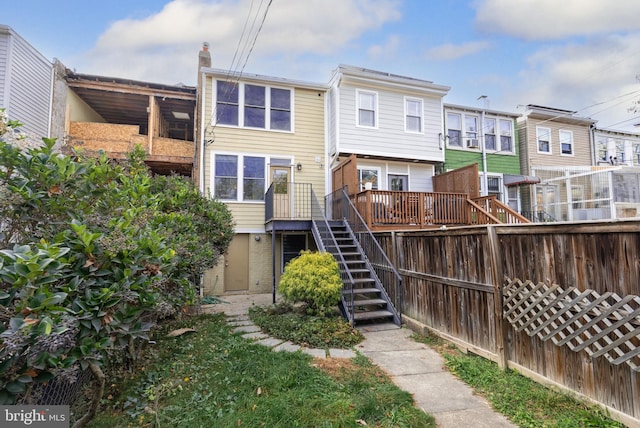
(500,135)
(240,174)
(470,134)
(538,132)
(379,181)
(420,116)
(485,192)
(267,107)
(449,127)
(485,130)
(562,141)
(375,108)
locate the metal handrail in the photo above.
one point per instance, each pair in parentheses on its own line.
(327,243)
(378,259)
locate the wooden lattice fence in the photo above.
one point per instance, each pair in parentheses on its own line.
(600,324)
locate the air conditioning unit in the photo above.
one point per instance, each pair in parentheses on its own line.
(472,143)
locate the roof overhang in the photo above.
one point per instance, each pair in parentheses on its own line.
(517,180)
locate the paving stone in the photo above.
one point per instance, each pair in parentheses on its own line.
(269,342)
(318,353)
(246,329)
(255,335)
(236,318)
(238,323)
(287,346)
(341,353)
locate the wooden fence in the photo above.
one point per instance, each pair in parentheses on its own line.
(557,302)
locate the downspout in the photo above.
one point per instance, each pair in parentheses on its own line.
(202,132)
(485,183)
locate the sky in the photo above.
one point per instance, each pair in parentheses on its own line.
(579,55)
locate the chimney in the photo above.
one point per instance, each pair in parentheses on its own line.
(204,58)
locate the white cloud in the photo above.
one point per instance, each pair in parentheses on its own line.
(553,19)
(449,51)
(591,78)
(164,47)
(386,50)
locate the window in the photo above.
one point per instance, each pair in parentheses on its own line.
(291,247)
(254,106)
(280,109)
(226,177)
(489,134)
(506,133)
(454,129)
(227,103)
(413,112)
(512,198)
(262,107)
(239,177)
(577,196)
(566,142)
(367,109)
(471,127)
(494,187)
(544,140)
(369,175)
(253,183)
(398,182)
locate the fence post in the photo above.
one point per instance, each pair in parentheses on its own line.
(502,351)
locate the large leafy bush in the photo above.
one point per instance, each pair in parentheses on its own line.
(313,278)
(92,255)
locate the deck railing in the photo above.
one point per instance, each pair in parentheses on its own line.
(504,213)
(288,201)
(386,209)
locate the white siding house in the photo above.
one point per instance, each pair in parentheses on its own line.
(392,123)
(25,84)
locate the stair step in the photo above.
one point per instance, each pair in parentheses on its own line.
(352,271)
(369,302)
(368,315)
(365,290)
(364,280)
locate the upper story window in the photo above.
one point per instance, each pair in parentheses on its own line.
(454,129)
(367,108)
(506,135)
(227,103)
(566,142)
(239,178)
(544,139)
(471,131)
(489,133)
(262,107)
(413,115)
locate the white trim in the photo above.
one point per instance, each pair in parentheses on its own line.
(573,151)
(538,128)
(375,108)
(421,113)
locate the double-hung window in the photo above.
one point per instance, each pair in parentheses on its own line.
(239,177)
(227,103)
(544,139)
(367,106)
(489,133)
(506,135)
(253,106)
(413,115)
(454,129)
(566,142)
(471,131)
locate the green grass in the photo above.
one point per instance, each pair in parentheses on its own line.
(213,378)
(525,402)
(293,324)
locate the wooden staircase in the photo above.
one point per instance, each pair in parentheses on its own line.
(367,300)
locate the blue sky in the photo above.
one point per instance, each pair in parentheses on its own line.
(581,55)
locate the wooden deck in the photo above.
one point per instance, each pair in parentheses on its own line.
(393,210)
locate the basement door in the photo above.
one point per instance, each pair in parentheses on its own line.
(236,264)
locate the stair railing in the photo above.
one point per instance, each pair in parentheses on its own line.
(327,242)
(340,206)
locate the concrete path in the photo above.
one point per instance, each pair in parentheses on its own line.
(412,366)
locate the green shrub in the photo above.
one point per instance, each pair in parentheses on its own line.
(312,278)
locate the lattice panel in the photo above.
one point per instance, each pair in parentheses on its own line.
(600,324)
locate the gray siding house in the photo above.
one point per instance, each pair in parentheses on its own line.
(25,84)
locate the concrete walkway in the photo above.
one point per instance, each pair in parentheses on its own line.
(412,366)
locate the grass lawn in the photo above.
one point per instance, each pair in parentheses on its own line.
(213,378)
(525,402)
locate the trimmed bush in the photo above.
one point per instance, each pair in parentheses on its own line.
(312,278)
